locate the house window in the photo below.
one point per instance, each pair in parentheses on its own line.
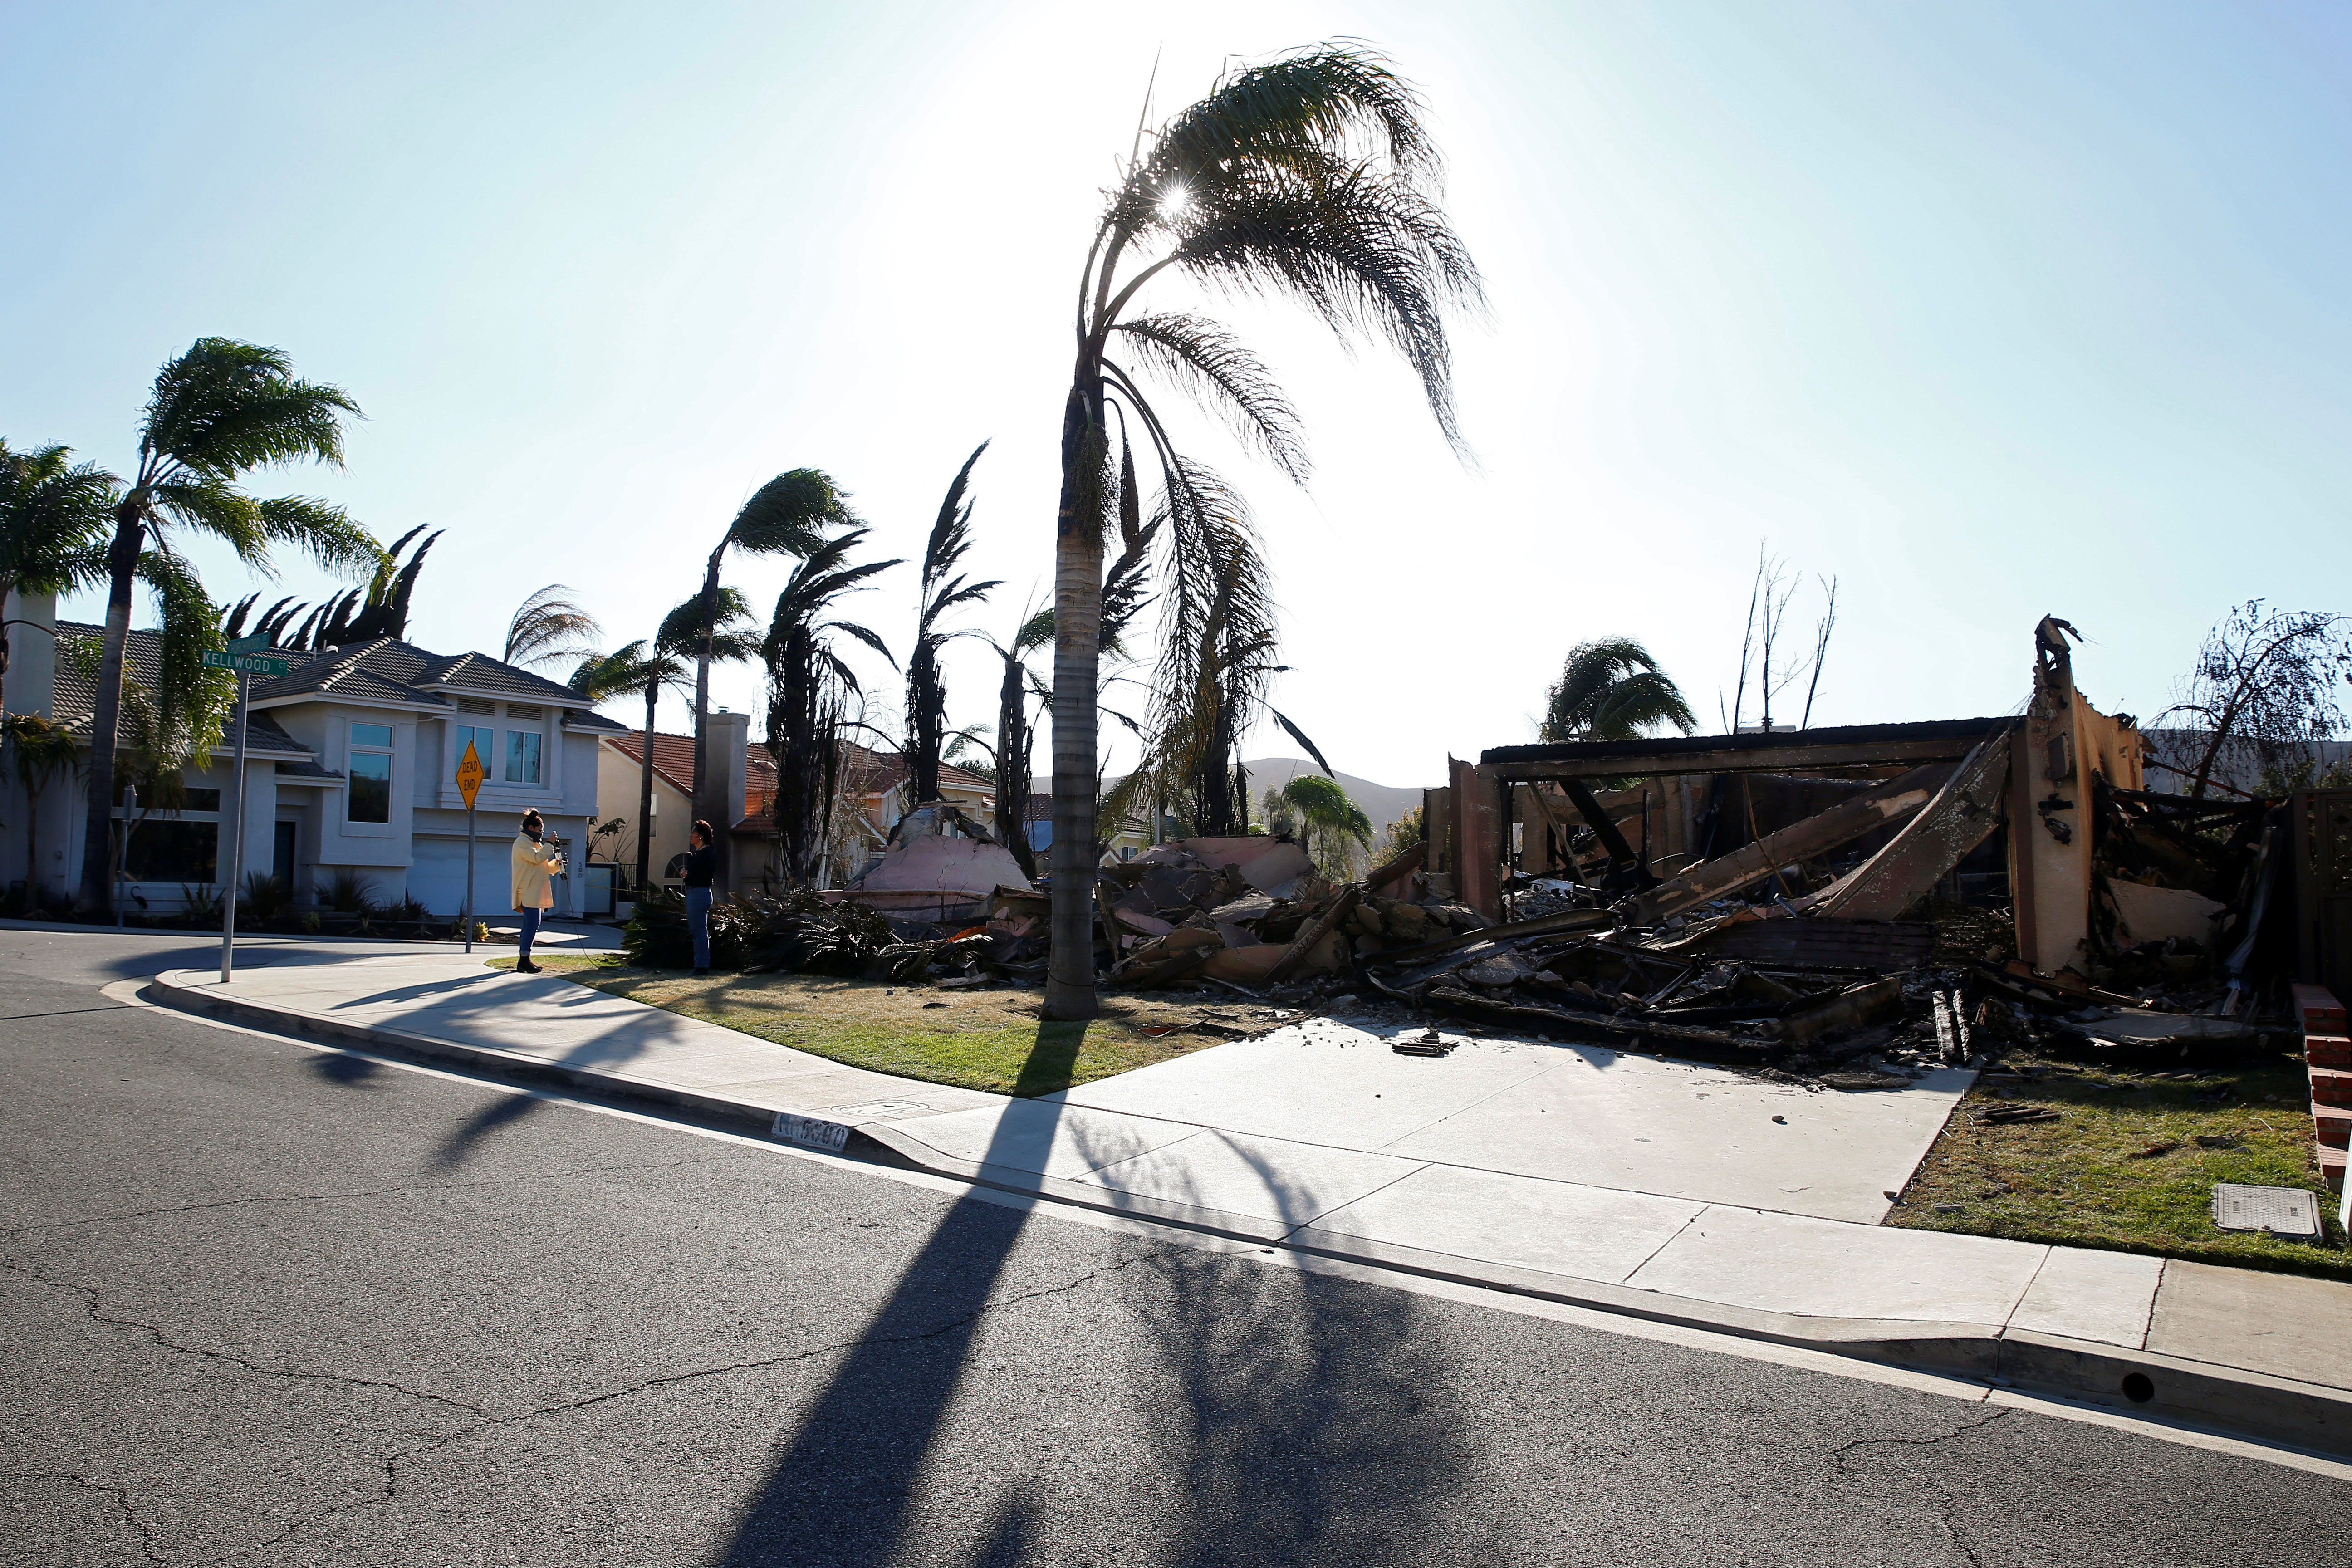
(523,756)
(370,766)
(164,849)
(484,740)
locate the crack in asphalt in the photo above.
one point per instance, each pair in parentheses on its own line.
(121,1502)
(1948,1515)
(90,1300)
(392,1462)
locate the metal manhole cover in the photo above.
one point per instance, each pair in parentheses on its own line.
(879,1108)
(2282,1211)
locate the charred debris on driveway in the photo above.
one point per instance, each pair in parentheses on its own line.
(1852,907)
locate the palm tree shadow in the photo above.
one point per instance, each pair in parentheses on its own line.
(841,1489)
(1297,1417)
(502,1111)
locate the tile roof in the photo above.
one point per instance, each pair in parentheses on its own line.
(75,691)
(674,761)
(388,669)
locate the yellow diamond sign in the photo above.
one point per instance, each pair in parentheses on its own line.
(469,775)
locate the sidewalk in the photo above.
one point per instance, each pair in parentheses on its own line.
(1658,1189)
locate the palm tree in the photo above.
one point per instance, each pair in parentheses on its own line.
(41,751)
(1612,689)
(54,518)
(1330,819)
(1014,735)
(809,687)
(363,615)
(549,626)
(927,692)
(1309,177)
(650,668)
(787,516)
(218,413)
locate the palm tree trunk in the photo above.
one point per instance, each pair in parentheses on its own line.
(702,790)
(1013,767)
(123,562)
(646,791)
(1077,626)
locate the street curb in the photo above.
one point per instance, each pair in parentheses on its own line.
(2195,1394)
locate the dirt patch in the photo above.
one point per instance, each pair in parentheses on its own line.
(986,1039)
(2128,1164)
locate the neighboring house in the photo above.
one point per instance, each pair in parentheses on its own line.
(874,783)
(352,761)
(1133,837)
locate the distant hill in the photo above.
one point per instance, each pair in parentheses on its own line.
(1382,803)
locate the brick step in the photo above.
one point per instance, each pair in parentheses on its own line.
(2331,1166)
(2331,1086)
(2333,1123)
(2319,1009)
(2327,1051)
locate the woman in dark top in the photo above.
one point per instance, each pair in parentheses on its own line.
(701,865)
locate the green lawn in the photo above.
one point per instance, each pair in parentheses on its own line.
(2124,1167)
(988,1039)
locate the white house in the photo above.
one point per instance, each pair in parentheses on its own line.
(352,761)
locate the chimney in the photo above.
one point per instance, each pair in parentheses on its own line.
(730,735)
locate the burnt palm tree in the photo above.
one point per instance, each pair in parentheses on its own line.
(1016,735)
(809,690)
(217,414)
(363,615)
(789,515)
(1610,689)
(941,591)
(1309,177)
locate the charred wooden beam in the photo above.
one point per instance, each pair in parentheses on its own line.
(1770,750)
(1962,816)
(1816,835)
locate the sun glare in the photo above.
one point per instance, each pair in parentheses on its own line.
(1173,201)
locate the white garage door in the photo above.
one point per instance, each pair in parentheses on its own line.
(436,874)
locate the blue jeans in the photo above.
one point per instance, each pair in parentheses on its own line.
(530,930)
(697,924)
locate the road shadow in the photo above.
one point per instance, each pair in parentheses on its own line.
(503,1111)
(842,1488)
(343,1067)
(1312,1424)
(1277,1415)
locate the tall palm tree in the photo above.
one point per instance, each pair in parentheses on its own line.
(1611,690)
(1308,177)
(54,515)
(789,515)
(549,626)
(927,691)
(217,414)
(809,687)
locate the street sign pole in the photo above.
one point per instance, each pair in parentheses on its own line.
(470,784)
(245,658)
(236,835)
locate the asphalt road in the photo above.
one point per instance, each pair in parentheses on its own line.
(261,1304)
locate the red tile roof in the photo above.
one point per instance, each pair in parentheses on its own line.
(876,773)
(674,761)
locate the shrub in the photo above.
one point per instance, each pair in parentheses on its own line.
(265,900)
(349,892)
(201,903)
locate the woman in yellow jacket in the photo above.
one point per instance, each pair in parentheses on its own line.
(536,866)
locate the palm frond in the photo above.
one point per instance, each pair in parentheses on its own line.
(1212,364)
(1299,735)
(226,407)
(789,514)
(548,626)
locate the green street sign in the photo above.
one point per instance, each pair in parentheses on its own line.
(248,663)
(256,644)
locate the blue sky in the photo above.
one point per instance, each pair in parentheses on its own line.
(1988,310)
